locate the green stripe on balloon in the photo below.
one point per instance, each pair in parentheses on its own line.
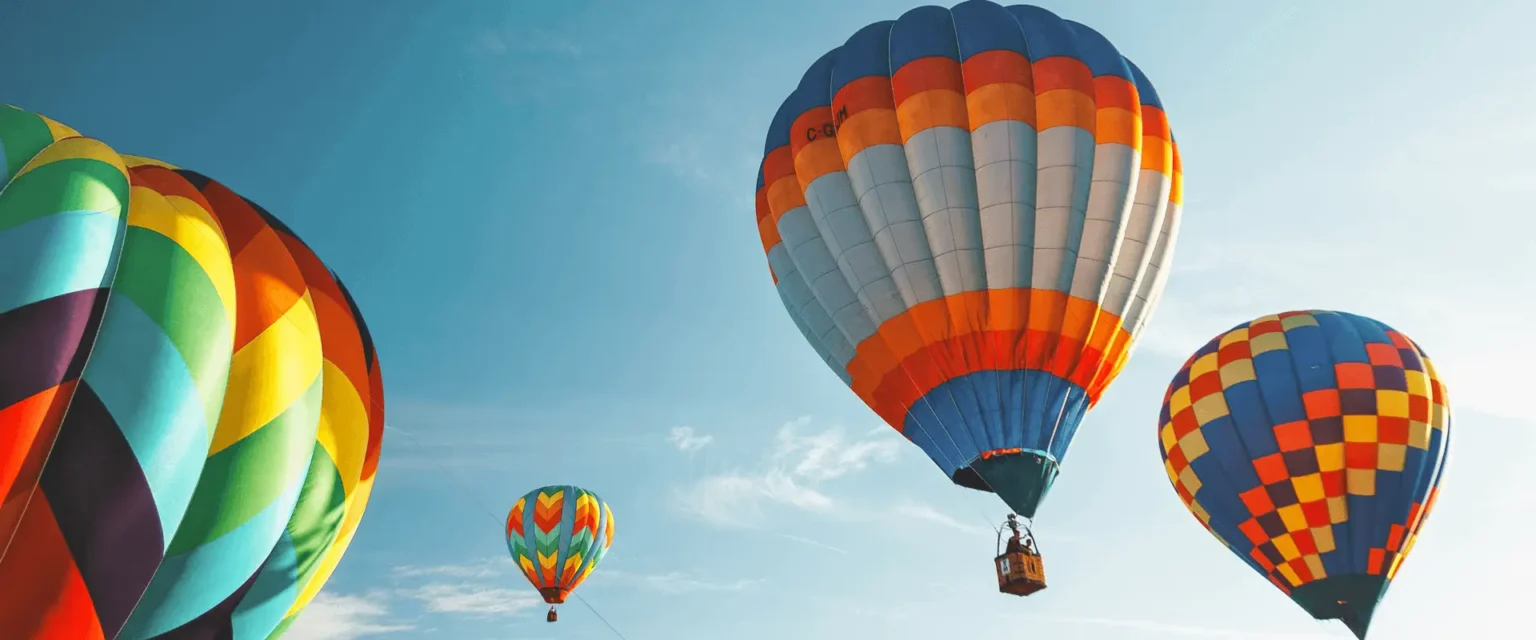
(172,288)
(23,135)
(70,184)
(240,482)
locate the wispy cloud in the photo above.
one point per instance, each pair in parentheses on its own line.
(925,513)
(810,542)
(471,599)
(345,617)
(674,582)
(737,500)
(687,440)
(490,568)
(789,475)
(830,453)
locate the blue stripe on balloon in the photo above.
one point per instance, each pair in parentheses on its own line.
(144,383)
(58,254)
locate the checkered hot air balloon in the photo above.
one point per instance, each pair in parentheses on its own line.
(969,214)
(190,404)
(557,535)
(1311,444)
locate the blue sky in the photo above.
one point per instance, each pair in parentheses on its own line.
(544,210)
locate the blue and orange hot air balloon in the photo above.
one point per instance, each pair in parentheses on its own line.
(1311,444)
(969,214)
(190,404)
(557,535)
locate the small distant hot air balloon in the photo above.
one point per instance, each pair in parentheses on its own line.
(969,214)
(190,404)
(1311,444)
(557,535)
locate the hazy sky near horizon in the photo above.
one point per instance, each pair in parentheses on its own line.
(545,211)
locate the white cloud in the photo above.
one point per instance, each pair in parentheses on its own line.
(490,568)
(473,599)
(830,453)
(687,440)
(928,514)
(671,583)
(344,617)
(799,462)
(737,500)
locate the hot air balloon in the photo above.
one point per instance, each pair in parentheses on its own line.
(1311,444)
(969,215)
(190,404)
(557,535)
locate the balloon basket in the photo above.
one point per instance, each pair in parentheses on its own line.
(1020,569)
(1020,573)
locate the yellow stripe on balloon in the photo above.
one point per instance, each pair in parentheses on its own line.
(139,161)
(197,232)
(279,366)
(78,149)
(57,129)
(343,430)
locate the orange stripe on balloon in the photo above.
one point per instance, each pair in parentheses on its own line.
(1154,122)
(929,109)
(1176,193)
(1119,112)
(866,110)
(1066,108)
(168,183)
(515,519)
(1062,73)
(997,67)
(864,94)
(42,595)
(784,192)
(932,73)
(1064,92)
(813,139)
(1000,329)
(929,92)
(1001,101)
(375,419)
(27,431)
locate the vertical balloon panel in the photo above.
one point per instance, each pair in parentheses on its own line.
(264,440)
(336,466)
(967,212)
(356,500)
(63,209)
(131,447)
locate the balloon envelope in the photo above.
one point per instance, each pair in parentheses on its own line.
(969,215)
(557,535)
(190,404)
(1311,444)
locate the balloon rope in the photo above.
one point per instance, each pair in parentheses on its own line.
(495,518)
(599,616)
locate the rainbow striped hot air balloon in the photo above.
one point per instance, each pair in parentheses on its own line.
(190,404)
(557,535)
(1311,444)
(969,214)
